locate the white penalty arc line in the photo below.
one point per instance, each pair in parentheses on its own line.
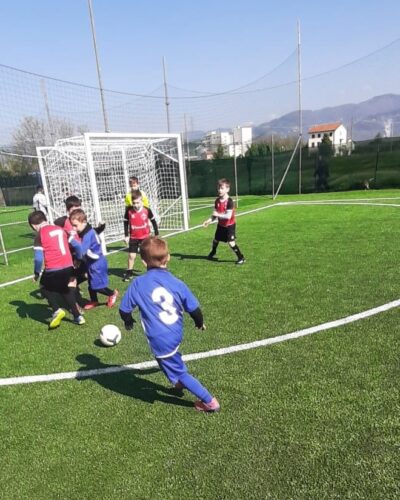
(82,374)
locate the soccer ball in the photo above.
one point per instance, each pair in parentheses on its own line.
(110,335)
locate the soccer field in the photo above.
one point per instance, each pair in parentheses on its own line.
(309,417)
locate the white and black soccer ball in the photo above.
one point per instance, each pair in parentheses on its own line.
(110,335)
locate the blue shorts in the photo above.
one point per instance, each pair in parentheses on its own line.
(172,367)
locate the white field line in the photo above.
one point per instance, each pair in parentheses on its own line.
(14,223)
(32,379)
(201,207)
(254,210)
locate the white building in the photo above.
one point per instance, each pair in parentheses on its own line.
(336,132)
(233,143)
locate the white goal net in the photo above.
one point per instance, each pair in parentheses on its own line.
(97,167)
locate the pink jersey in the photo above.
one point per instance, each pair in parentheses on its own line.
(53,240)
(222,206)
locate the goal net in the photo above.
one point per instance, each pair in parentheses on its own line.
(97,167)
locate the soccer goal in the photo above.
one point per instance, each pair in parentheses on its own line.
(97,167)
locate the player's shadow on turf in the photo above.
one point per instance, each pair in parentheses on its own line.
(182,256)
(37,312)
(128,383)
(115,271)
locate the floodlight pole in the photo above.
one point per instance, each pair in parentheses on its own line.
(235,170)
(272,165)
(300,108)
(103,105)
(166,96)
(187,142)
(47,107)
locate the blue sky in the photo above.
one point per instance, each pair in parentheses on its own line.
(209,46)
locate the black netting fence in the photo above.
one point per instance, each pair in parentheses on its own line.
(373,164)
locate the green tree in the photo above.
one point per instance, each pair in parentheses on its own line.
(219,154)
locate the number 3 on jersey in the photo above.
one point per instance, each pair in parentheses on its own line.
(161,296)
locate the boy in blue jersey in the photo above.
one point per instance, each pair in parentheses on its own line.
(96,263)
(161,299)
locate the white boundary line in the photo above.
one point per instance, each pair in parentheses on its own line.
(254,210)
(32,379)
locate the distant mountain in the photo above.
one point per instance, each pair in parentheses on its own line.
(376,115)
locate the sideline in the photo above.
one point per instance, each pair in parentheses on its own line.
(32,379)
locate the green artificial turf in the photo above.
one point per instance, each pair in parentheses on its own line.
(316,417)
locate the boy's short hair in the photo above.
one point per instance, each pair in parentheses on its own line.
(224,181)
(37,217)
(136,194)
(72,201)
(154,251)
(78,215)
(39,188)
(134,179)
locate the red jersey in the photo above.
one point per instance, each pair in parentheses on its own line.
(138,222)
(65,223)
(222,206)
(54,242)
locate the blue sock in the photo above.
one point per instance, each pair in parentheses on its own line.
(194,386)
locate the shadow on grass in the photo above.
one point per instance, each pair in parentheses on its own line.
(117,271)
(182,256)
(128,383)
(37,312)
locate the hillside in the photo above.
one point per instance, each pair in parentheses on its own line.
(368,118)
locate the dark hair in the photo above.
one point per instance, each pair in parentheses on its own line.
(134,179)
(224,181)
(72,201)
(39,188)
(37,217)
(136,194)
(154,251)
(79,215)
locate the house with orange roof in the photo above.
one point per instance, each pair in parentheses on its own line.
(336,132)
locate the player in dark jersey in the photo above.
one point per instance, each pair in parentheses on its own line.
(161,299)
(96,263)
(224,212)
(51,249)
(137,220)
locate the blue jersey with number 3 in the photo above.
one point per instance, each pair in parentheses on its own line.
(161,299)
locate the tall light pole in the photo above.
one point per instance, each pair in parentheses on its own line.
(166,96)
(300,110)
(103,105)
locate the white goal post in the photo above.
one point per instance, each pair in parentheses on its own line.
(96,168)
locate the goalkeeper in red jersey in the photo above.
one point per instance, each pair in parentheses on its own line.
(137,221)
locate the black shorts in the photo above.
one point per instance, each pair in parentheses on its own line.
(57,281)
(225,233)
(134,246)
(80,272)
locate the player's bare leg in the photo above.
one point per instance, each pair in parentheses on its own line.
(131,262)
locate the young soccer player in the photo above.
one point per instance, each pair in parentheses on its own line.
(73,203)
(137,228)
(224,211)
(161,299)
(51,248)
(96,263)
(134,186)
(39,201)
